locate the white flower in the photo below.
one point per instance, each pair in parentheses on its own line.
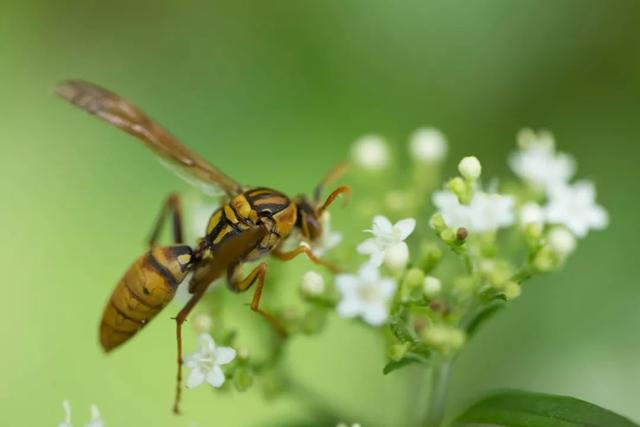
(575,207)
(486,212)
(329,238)
(365,295)
(205,363)
(67,414)
(431,286)
(370,152)
(428,145)
(538,163)
(396,257)
(531,213)
(385,236)
(95,421)
(470,168)
(313,283)
(561,241)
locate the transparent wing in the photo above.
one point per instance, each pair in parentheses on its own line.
(126,116)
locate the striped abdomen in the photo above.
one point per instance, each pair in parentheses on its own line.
(144,290)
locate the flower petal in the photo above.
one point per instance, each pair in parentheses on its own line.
(224,355)
(195,378)
(346,283)
(382,226)
(375,314)
(215,377)
(349,307)
(369,246)
(387,288)
(405,227)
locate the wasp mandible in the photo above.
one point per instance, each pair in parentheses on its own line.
(252,223)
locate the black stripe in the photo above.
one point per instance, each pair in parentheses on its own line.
(125,315)
(272,207)
(219,226)
(160,269)
(138,297)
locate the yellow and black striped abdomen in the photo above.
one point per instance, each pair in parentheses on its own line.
(145,289)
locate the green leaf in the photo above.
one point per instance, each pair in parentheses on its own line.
(484,314)
(525,409)
(398,364)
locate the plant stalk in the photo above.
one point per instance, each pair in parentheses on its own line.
(438,395)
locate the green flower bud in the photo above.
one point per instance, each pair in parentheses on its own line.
(413,278)
(398,351)
(470,168)
(431,287)
(437,222)
(545,260)
(460,188)
(449,236)
(511,290)
(445,339)
(314,321)
(430,256)
(533,233)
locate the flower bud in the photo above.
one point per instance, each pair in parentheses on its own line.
(533,233)
(370,152)
(397,256)
(449,236)
(444,338)
(398,351)
(428,145)
(430,256)
(511,290)
(561,241)
(437,222)
(470,168)
(242,379)
(431,286)
(202,323)
(458,187)
(312,284)
(545,260)
(413,278)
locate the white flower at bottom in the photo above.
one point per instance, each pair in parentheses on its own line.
(486,212)
(365,294)
(205,363)
(575,207)
(531,213)
(385,236)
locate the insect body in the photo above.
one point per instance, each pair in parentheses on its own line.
(250,225)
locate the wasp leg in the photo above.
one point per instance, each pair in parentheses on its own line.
(303,249)
(171,207)
(238,284)
(180,319)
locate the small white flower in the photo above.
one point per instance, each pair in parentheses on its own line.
(531,213)
(396,257)
(205,363)
(470,168)
(561,241)
(385,236)
(96,421)
(431,286)
(538,163)
(329,238)
(486,212)
(370,152)
(428,145)
(575,207)
(365,295)
(313,283)
(67,414)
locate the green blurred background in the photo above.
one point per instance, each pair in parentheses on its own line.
(274,93)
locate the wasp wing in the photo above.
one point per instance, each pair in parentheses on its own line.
(126,116)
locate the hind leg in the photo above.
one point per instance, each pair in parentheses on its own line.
(171,206)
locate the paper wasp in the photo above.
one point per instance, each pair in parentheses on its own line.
(251,224)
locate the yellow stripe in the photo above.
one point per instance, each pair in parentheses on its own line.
(225,230)
(230,214)
(213,222)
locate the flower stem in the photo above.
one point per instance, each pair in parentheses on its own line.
(438,394)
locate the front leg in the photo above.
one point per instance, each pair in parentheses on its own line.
(239,284)
(303,248)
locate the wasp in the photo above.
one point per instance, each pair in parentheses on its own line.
(253,222)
